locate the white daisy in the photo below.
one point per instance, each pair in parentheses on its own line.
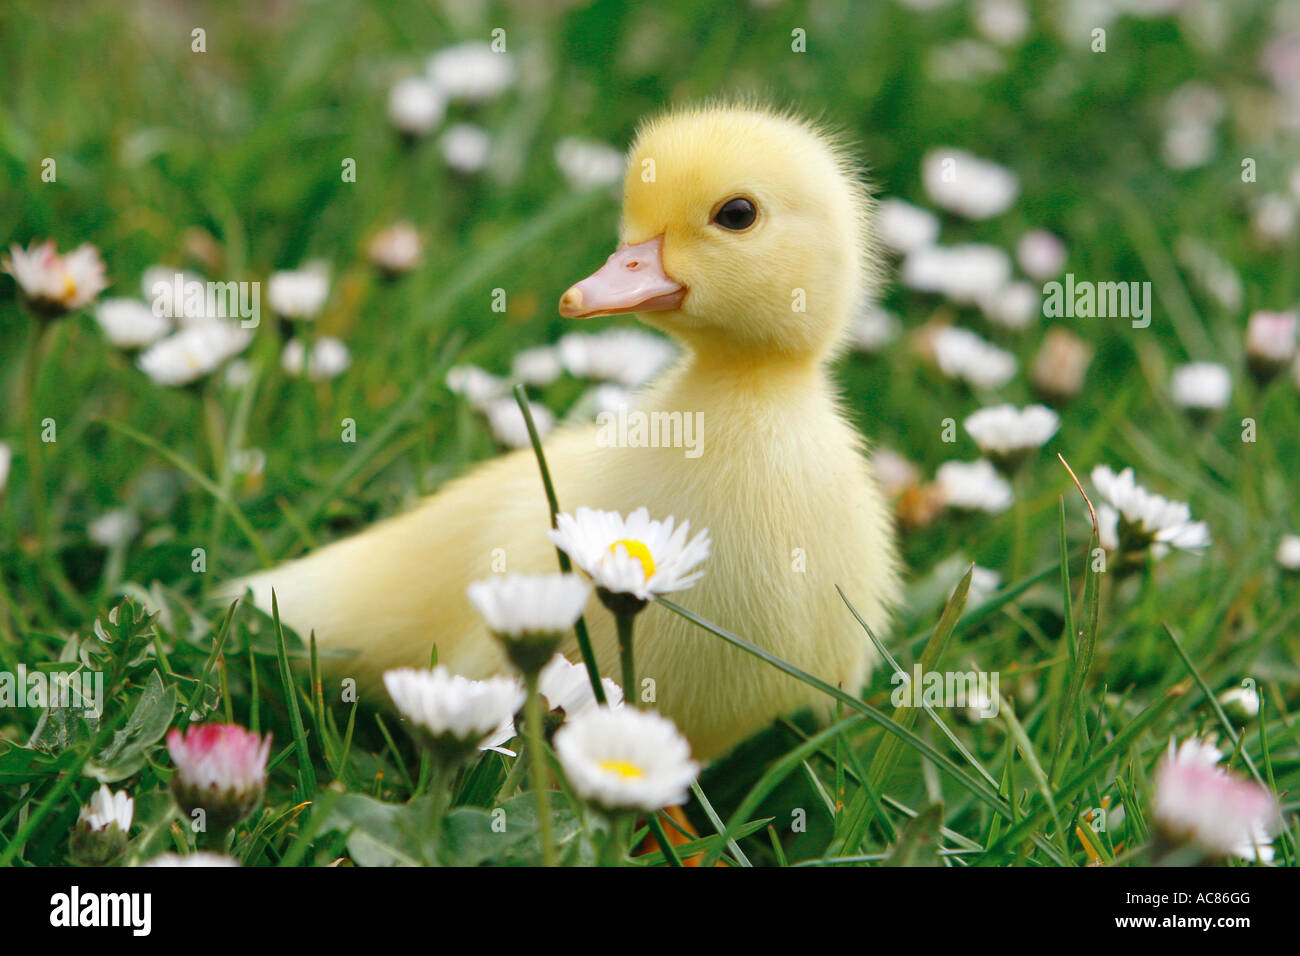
(537,366)
(1004,22)
(894,472)
(904,227)
(514,605)
(53,284)
(1288,549)
(1197,800)
(635,555)
(1271,337)
(508,425)
(1140,519)
(478,386)
(471,72)
(465,147)
(962,354)
(324,359)
(106,808)
(984,583)
(396,249)
(6,460)
(451,708)
(626,759)
(567,687)
(965,274)
(130,324)
(298,293)
(1014,306)
(1007,434)
(193,352)
(1201,386)
(113,528)
(973,486)
(1273,219)
(416,106)
(201,858)
(587,164)
(967,185)
(1041,254)
(166,289)
(873,329)
(628,356)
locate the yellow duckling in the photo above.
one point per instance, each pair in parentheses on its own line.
(744,236)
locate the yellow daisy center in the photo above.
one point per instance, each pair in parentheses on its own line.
(628,771)
(637,550)
(69,287)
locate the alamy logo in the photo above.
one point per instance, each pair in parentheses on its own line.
(637,429)
(74,908)
(975,690)
(1101,300)
(179,297)
(83,690)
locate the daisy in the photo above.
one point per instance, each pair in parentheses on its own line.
(1201,386)
(450,713)
(530,613)
(587,164)
(164,288)
(904,227)
(894,473)
(1288,549)
(508,423)
(130,324)
(1270,342)
(395,250)
(1041,255)
(1197,801)
(962,354)
(100,833)
(53,284)
(1004,22)
(629,357)
(539,366)
(1007,434)
(298,293)
(1241,702)
(1014,306)
(973,486)
(1134,519)
(967,185)
(193,352)
(114,528)
(1274,218)
(107,809)
(200,858)
(634,556)
(873,329)
(479,387)
(416,106)
(471,72)
(965,274)
(567,687)
(465,147)
(325,359)
(1061,364)
(6,461)
(626,760)
(220,768)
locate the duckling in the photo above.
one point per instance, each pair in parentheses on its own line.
(744,236)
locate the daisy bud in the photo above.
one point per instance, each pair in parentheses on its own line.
(220,769)
(1241,703)
(1270,343)
(99,836)
(530,613)
(1060,366)
(1288,550)
(396,250)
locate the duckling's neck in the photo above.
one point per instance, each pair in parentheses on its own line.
(706,379)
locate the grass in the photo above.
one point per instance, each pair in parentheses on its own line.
(228,162)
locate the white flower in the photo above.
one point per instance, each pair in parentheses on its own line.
(113,528)
(396,249)
(508,423)
(1271,336)
(1197,800)
(471,72)
(627,356)
(1005,431)
(962,354)
(514,605)
(904,227)
(1153,518)
(964,273)
(106,808)
(237,374)
(1242,701)
(416,106)
(967,185)
(326,358)
(130,324)
(1188,145)
(973,486)
(873,329)
(465,147)
(1004,22)
(193,352)
(200,858)
(1041,254)
(984,583)
(166,287)
(1014,306)
(537,366)
(626,759)
(443,704)
(635,556)
(894,473)
(478,386)
(6,460)
(1274,218)
(298,293)
(587,164)
(53,283)
(1288,549)
(566,686)
(1203,386)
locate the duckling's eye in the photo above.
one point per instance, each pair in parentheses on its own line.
(736,214)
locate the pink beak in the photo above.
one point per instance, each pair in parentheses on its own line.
(631,280)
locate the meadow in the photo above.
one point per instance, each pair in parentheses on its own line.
(132,488)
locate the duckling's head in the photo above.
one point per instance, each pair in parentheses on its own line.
(744,233)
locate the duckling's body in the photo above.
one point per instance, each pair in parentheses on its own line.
(780,480)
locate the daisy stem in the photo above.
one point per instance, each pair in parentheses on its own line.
(625,623)
(533,717)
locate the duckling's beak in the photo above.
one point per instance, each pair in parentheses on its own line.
(631,280)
